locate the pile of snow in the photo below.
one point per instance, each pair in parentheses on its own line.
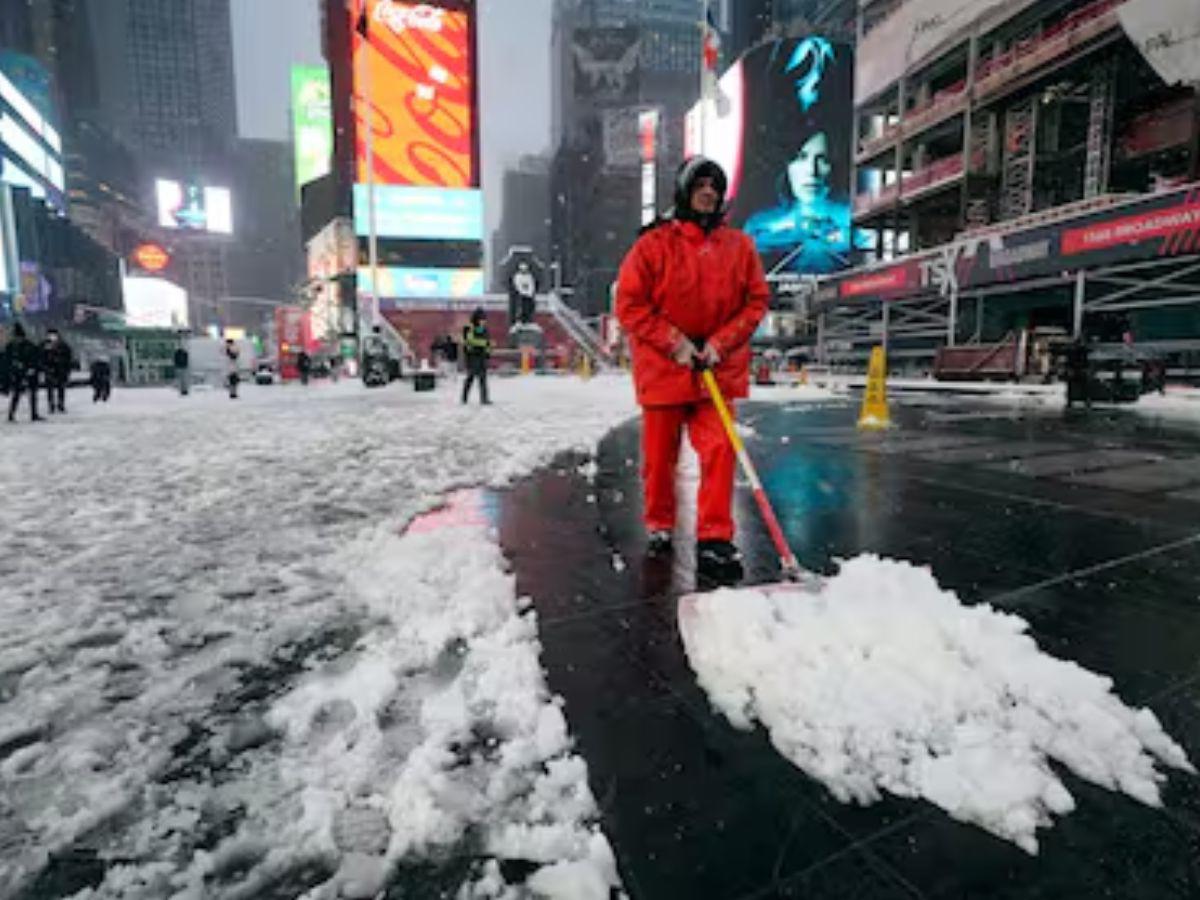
(1177,402)
(225,670)
(451,674)
(877,680)
(796,393)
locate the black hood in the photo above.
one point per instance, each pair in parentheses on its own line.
(685,180)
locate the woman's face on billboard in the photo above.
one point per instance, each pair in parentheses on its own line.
(809,170)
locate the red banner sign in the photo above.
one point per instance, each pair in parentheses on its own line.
(1173,220)
(887,281)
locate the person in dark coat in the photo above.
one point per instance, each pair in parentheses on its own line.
(231,368)
(58,370)
(182,362)
(304,364)
(477,347)
(5,372)
(101,372)
(1078,374)
(24,362)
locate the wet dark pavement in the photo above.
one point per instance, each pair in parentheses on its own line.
(1085,525)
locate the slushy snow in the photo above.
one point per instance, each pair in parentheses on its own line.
(231,670)
(877,680)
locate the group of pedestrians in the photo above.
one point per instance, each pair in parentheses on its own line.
(26,367)
(181,361)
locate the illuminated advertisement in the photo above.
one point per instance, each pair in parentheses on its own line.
(312,122)
(410,283)
(716,128)
(648,150)
(416,63)
(151,257)
(26,76)
(30,147)
(421,212)
(154,303)
(193,207)
(793,195)
(35,293)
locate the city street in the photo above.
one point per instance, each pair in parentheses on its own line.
(373,526)
(1083,525)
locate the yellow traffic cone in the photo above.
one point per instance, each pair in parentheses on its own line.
(875,412)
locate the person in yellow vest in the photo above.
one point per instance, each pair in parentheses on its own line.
(477,348)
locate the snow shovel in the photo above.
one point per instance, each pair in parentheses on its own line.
(687,613)
(787,559)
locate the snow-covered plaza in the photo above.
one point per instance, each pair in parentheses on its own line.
(338,642)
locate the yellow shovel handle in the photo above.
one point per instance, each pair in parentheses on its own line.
(710,382)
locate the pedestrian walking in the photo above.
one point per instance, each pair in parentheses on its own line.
(183,373)
(451,349)
(1078,374)
(477,347)
(24,366)
(231,362)
(101,378)
(690,294)
(304,364)
(58,360)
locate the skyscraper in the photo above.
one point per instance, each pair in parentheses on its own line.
(599,191)
(167,73)
(166,84)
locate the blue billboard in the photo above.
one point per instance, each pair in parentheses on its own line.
(421,213)
(794,193)
(418,283)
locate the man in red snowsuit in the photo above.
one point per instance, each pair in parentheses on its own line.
(691,292)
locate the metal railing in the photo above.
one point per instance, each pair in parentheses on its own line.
(396,342)
(579,331)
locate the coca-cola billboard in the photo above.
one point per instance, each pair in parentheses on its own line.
(415,93)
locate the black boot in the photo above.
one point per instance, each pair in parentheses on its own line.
(718,563)
(658,544)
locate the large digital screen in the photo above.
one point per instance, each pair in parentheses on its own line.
(18,142)
(716,127)
(312,122)
(793,195)
(193,207)
(414,91)
(421,213)
(398,282)
(154,303)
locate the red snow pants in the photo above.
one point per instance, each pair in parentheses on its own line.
(662,429)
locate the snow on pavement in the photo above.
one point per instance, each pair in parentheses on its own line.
(228,673)
(1177,402)
(878,680)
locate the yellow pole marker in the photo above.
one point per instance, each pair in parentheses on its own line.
(875,412)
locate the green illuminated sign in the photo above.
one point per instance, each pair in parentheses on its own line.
(312,122)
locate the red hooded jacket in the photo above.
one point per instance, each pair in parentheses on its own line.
(679,282)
